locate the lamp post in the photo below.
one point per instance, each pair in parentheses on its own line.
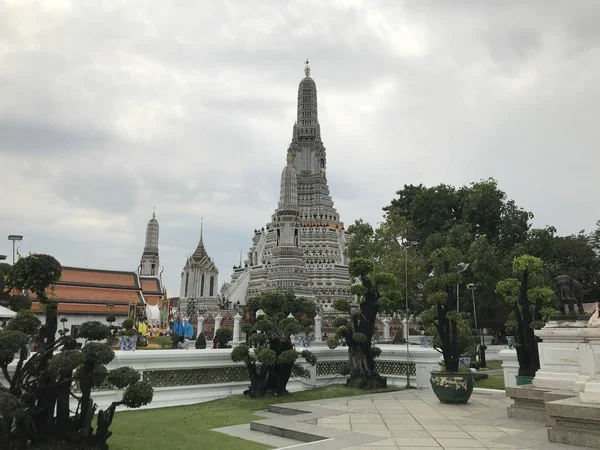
(14,238)
(460,268)
(406,245)
(472,287)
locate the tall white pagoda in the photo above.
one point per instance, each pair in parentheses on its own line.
(150,261)
(303,247)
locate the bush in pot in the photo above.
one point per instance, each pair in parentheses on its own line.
(201,341)
(450,330)
(127,336)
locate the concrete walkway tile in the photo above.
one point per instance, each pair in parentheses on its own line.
(538,434)
(520,442)
(450,434)
(416,442)
(382,444)
(471,428)
(460,443)
(419,448)
(405,427)
(410,434)
(510,431)
(442,427)
(487,435)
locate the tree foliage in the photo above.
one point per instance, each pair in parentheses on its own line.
(268,352)
(531,302)
(451,329)
(35,407)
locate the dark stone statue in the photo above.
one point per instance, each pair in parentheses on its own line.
(570,291)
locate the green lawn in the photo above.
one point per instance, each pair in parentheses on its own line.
(493,382)
(493,365)
(188,427)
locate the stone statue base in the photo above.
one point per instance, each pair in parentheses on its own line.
(563,352)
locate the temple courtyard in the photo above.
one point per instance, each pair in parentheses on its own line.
(406,420)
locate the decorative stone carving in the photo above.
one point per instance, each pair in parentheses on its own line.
(570,291)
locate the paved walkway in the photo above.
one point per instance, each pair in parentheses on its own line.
(406,420)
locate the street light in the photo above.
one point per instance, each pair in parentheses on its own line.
(406,245)
(14,238)
(472,287)
(460,268)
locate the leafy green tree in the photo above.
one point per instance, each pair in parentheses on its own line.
(35,406)
(532,302)
(357,330)
(268,352)
(451,330)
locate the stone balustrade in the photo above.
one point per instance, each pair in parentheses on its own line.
(183,377)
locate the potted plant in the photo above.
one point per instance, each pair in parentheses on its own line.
(532,303)
(127,336)
(450,330)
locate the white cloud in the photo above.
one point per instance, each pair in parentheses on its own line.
(110,109)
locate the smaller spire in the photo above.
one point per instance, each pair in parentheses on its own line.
(201,229)
(290,158)
(307,69)
(154,212)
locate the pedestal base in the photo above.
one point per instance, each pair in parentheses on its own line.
(574,422)
(530,402)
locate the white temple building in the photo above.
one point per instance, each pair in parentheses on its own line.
(199,280)
(303,247)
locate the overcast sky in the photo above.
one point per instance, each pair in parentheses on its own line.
(108,109)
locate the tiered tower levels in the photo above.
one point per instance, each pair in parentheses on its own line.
(312,262)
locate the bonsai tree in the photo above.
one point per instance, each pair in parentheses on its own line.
(19,302)
(201,341)
(35,406)
(357,330)
(64,330)
(224,335)
(268,353)
(451,332)
(532,302)
(127,328)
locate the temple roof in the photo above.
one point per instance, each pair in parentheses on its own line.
(200,257)
(93,291)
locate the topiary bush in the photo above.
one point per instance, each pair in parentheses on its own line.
(35,410)
(268,352)
(224,335)
(201,341)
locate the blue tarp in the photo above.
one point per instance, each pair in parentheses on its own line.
(184,329)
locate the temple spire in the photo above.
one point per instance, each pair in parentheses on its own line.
(201,229)
(307,68)
(150,260)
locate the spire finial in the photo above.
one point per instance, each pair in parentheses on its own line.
(154,212)
(240,257)
(307,69)
(290,158)
(201,227)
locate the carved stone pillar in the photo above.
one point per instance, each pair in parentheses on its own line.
(236,327)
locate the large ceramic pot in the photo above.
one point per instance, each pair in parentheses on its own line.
(452,387)
(127,343)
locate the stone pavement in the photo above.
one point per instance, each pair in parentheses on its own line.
(405,420)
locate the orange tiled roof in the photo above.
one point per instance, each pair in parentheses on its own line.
(92,291)
(151,285)
(77,308)
(84,276)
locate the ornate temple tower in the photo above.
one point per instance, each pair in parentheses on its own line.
(199,280)
(305,225)
(149,264)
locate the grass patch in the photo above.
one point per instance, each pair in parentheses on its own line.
(186,427)
(493,365)
(493,382)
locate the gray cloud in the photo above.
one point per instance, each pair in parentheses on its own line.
(108,110)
